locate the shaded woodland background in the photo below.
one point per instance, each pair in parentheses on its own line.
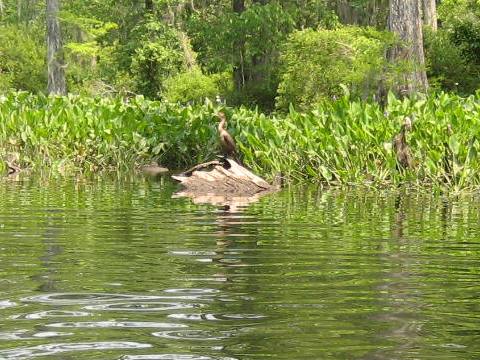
(265,53)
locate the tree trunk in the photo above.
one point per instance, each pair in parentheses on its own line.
(56,73)
(430,13)
(366,13)
(239,50)
(405,21)
(149,6)
(347,13)
(257,71)
(238,6)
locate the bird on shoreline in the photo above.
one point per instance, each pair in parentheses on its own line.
(400,146)
(229,149)
(153,169)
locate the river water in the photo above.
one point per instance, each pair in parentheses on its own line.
(109,269)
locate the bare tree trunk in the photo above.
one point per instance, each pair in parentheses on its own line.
(238,6)
(239,50)
(2,8)
(149,6)
(367,13)
(347,13)
(56,73)
(257,71)
(430,14)
(405,21)
(376,13)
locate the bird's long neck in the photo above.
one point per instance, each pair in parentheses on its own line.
(221,125)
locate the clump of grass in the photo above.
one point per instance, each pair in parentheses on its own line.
(338,142)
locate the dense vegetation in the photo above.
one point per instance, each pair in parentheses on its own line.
(338,142)
(146,78)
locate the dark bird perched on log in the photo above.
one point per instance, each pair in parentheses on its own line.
(400,146)
(227,143)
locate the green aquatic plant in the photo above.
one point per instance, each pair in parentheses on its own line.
(338,142)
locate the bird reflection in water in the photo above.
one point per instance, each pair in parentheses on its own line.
(47,277)
(399,290)
(229,222)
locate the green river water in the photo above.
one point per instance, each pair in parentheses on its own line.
(108,269)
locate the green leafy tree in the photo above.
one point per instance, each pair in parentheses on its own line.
(447,67)
(22,59)
(317,65)
(461,18)
(156,55)
(193,86)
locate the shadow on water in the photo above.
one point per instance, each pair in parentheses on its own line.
(101,269)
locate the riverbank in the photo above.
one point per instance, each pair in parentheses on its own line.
(340,142)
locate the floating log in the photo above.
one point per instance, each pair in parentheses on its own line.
(222,182)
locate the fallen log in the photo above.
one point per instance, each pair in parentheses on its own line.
(222,182)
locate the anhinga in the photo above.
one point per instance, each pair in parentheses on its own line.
(226,141)
(400,146)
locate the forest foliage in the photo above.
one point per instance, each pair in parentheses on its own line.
(187,51)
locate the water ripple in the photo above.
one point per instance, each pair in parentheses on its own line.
(193,291)
(89,298)
(193,253)
(173,357)
(50,314)
(216,317)
(84,298)
(7,304)
(26,335)
(52,349)
(145,306)
(203,335)
(116,324)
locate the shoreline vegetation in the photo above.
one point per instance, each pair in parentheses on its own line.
(338,143)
